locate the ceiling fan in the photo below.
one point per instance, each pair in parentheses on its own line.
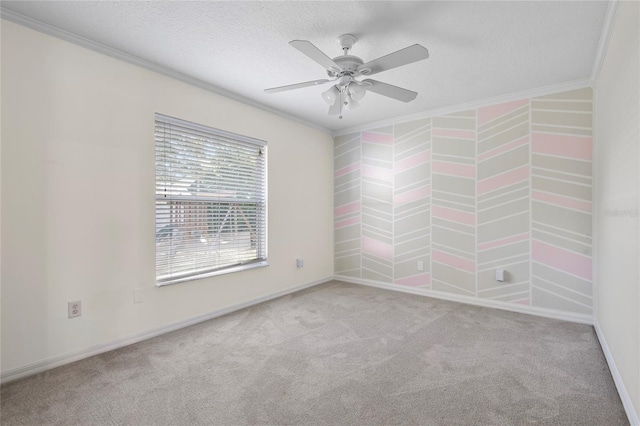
(345,70)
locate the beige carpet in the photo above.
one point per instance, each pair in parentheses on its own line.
(336,354)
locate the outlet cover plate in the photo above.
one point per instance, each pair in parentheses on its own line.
(74,309)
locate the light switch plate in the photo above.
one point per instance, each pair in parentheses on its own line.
(138,295)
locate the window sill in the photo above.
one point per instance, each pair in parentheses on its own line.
(225,271)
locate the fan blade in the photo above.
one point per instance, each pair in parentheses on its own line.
(391,91)
(296,86)
(335,108)
(314,53)
(405,56)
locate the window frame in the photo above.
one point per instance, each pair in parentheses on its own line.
(240,139)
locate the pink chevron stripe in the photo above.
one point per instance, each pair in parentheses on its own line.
(562,201)
(522,302)
(504,179)
(503,241)
(377,248)
(578,147)
(454,215)
(503,148)
(463,170)
(450,133)
(418,159)
(377,172)
(346,222)
(453,261)
(564,260)
(347,208)
(487,114)
(415,281)
(347,169)
(410,196)
(377,138)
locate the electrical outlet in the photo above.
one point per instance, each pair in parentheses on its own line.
(299,263)
(420,265)
(75,309)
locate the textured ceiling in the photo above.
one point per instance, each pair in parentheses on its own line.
(477,49)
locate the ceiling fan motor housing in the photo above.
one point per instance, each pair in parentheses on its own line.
(348,63)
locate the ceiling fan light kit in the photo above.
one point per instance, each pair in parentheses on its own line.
(345,69)
(358,90)
(351,103)
(331,95)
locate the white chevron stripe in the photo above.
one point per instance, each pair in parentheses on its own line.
(494,135)
(518,186)
(411,150)
(559,174)
(506,116)
(487,266)
(579,293)
(454,251)
(522,295)
(434,226)
(466,159)
(504,217)
(414,232)
(563,207)
(433,280)
(412,255)
(561,233)
(535,262)
(501,204)
(503,286)
(523,112)
(416,132)
(561,297)
(572,111)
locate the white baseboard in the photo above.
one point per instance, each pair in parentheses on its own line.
(523,309)
(77,355)
(622,390)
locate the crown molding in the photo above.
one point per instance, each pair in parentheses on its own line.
(54,31)
(605,36)
(529,93)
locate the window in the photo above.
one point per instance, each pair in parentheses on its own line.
(210,201)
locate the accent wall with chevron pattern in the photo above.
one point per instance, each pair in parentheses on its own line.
(441,202)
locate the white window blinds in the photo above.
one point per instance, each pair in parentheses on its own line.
(210,201)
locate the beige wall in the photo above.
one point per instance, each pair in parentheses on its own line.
(78,198)
(617,143)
